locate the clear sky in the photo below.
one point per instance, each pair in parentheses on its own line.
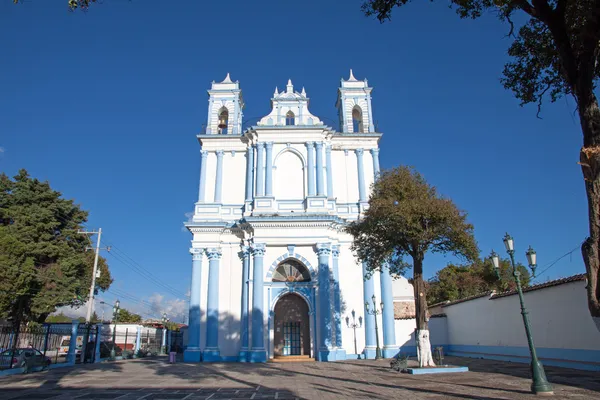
(106,105)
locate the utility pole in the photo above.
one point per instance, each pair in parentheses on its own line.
(90,309)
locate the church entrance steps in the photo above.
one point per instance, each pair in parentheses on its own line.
(287,359)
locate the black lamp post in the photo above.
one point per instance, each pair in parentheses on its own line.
(354,325)
(540,384)
(375,312)
(116,309)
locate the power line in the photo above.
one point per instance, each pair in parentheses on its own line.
(551,264)
(121,256)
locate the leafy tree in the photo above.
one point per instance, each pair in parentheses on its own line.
(456,282)
(58,318)
(72,4)
(43,258)
(556,52)
(126,316)
(407,217)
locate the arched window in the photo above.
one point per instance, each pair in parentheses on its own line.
(357,120)
(290,118)
(223,121)
(291,271)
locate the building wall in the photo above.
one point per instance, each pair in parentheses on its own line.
(563,330)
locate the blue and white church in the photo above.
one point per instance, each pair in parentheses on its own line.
(272,270)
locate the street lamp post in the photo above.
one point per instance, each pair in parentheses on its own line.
(116,310)
(354,325)
(375,312)
(164,333)
(540,384)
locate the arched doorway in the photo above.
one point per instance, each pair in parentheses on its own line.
(291,313)
(292,327)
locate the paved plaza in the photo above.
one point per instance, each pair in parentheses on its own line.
(154,379)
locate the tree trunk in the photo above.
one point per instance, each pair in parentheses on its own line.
(589,115)
(422,331)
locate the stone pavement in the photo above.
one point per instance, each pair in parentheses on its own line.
(154,379)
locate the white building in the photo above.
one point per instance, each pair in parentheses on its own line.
(272,270)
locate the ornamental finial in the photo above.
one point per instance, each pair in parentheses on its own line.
(276,92)
(290,87)
(352,78)
(227,79)
(303,92)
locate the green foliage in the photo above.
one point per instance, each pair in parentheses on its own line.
(555,52)
(458,282)
(126,316)
(406,217)
(58,318)
(72,4)
(43,262)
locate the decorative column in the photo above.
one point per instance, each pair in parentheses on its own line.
(375,155)
(249,172)
(71,355)
(337,306)
(329,172)
(325,353)
(368,292)
(98,341)
(260,169)
(269,171)
(245,255)
(138,339)
(219,182)
(193,353)
(362,193)
(320,176)
(258,352)
(211,352)
(387,297)
(310,172)
(203,156)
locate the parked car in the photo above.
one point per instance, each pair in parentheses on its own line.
(26,358)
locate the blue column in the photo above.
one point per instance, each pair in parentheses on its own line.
(320,176)
(325,351)
(368,292)
(337,304)
(169,340)
(192,353)
(164,340)
(71,355)
(243,357)
(362,193)
(260,169)
(258,352)
(389,331)
(269,169)
(211,352)
(203,156)
(329,172)
(219,182)
(98,341)
(310,171)
(375,155)
(249,172)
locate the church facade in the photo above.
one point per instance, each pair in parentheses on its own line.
(272,270)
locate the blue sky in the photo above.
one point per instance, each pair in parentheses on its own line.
(106,105)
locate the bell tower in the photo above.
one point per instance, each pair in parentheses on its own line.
(354,106)
(225,105)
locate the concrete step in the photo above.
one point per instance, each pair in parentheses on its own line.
(284,359)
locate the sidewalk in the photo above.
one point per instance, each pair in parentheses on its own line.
(156,379)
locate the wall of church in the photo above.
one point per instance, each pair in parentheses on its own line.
(234,177)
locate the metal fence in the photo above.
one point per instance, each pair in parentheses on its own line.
(44,345)
(117,342)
